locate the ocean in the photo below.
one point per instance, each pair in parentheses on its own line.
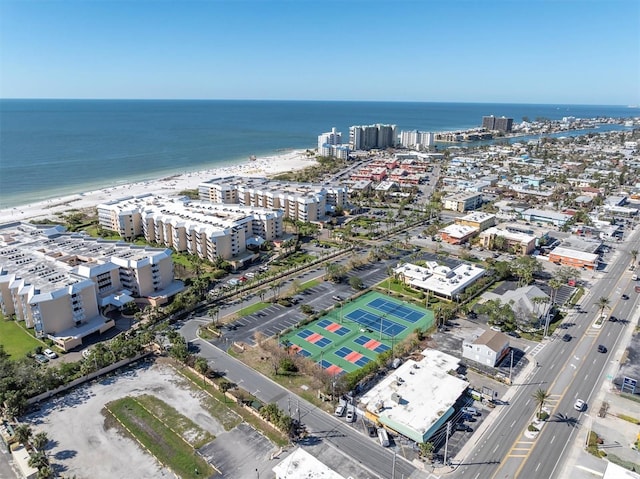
(53,148)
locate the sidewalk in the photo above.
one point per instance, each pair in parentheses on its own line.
(487,423)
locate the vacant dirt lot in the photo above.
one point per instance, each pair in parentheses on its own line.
(82,446)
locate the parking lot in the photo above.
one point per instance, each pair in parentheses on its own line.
(81,445)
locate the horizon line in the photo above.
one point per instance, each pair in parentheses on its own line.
(631,106)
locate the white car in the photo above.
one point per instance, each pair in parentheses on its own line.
(579,405)
(50,354)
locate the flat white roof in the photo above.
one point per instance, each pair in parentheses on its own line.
(572,253)
(302,465)
(426,388)
(459,231)
(510,235)
(441,279)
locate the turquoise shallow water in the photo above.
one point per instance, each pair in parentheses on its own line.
(50,148)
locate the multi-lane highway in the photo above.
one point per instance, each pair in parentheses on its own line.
(567,371)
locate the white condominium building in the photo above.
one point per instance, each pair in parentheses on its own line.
(416,138)
(62,283)
(200,228)
(298,201)
(330,144)
(372,137)
(332,137)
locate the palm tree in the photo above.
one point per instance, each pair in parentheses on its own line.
(541,396)
(634,256)
(603,303)
(23,433)
(38,460)
(40,440)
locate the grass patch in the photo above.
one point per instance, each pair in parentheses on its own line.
(17,341)
(630,419)
(631,397)
(165,445)
(181,425)
(239,412)
(252,308)
(631,466)
(310,284)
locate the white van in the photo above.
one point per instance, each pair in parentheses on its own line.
(634,277)
(383,437)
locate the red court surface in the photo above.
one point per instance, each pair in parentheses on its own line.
(333,370)
(372,344)
(353,356)
(333,327)
(294,348)
(315,337)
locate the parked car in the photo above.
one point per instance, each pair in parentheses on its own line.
(340,408)
(613,319)
(470,410)
(467,417)
(513,334)
(49,353)
(625,296)
(566,338)
(336,298)
(601,348)
(41,358)
(463,427)
(579,405)
(351,415)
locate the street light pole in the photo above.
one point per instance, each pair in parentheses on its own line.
(446,442)
(511,366)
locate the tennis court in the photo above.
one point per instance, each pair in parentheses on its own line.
(353,334)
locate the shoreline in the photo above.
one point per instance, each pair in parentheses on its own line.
(169,185)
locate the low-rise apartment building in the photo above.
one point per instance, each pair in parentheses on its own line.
(502,239)
(61,284)
(204,229)
(478,220)
(462,202)
(298,201)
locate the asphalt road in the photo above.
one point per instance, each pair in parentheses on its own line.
(321,426)
(568,371)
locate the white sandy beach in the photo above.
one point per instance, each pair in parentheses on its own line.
(169,186)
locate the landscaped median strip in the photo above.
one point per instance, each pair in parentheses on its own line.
(158,439)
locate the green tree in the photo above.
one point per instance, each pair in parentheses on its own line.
(356,282)
(38,460)
(201,365)
(634,256)
(23,433)
(603,303)
(524,268)
(40,440)
(541,397)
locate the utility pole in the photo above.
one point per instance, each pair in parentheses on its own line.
(393,466)
(446,442)
(511,366)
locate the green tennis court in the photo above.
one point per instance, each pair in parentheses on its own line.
(353,334)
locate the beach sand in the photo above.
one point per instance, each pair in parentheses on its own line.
(168,186)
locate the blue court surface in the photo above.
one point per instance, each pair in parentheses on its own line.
(305,333)
(325,364)
(323,323)
(342,352)
(323,342)
(303,352)
(394,309)
(362,340)
(376,323)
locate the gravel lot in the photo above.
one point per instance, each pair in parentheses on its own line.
(81,446)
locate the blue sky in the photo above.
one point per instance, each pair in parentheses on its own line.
(520,51)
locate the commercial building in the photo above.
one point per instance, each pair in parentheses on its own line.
(61,284)
(545,216)
(199,228)
(478,220)
(302,465)
(457,234)
(441,280)
(372,137)
(298,201)
(462,202)
(574,258)
(515,242)
(488,349)
(417,398)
